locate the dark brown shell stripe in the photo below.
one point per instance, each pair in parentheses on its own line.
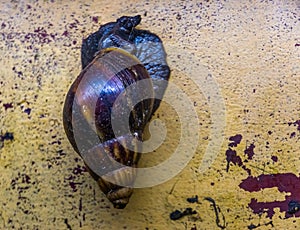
(119,151)
(102,159)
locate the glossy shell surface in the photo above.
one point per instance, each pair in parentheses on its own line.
(116,57)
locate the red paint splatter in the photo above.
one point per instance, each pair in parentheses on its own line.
(232,157)
(235,140)
(286,182)
(249,151)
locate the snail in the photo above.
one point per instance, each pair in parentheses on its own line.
(115,58)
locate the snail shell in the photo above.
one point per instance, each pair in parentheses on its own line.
(115,57)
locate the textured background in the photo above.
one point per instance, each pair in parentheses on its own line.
(252,51)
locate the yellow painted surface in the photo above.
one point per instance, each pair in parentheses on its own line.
(251,51)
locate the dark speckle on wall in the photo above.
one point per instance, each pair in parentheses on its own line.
(67,224)
(274,158)
(253,226)
(179,214)
(27,110)
(220,218)
(295,123)
(7,136)
(192,199)
(73,180)
(8,105)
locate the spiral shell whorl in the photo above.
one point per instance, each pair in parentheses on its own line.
(115,58)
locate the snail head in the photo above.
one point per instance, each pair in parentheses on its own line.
(128,23)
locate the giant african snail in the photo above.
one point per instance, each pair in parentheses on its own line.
(115,58)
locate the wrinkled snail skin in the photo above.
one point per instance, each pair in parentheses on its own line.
(115,57)
(143,44)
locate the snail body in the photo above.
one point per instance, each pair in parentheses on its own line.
(114,59)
